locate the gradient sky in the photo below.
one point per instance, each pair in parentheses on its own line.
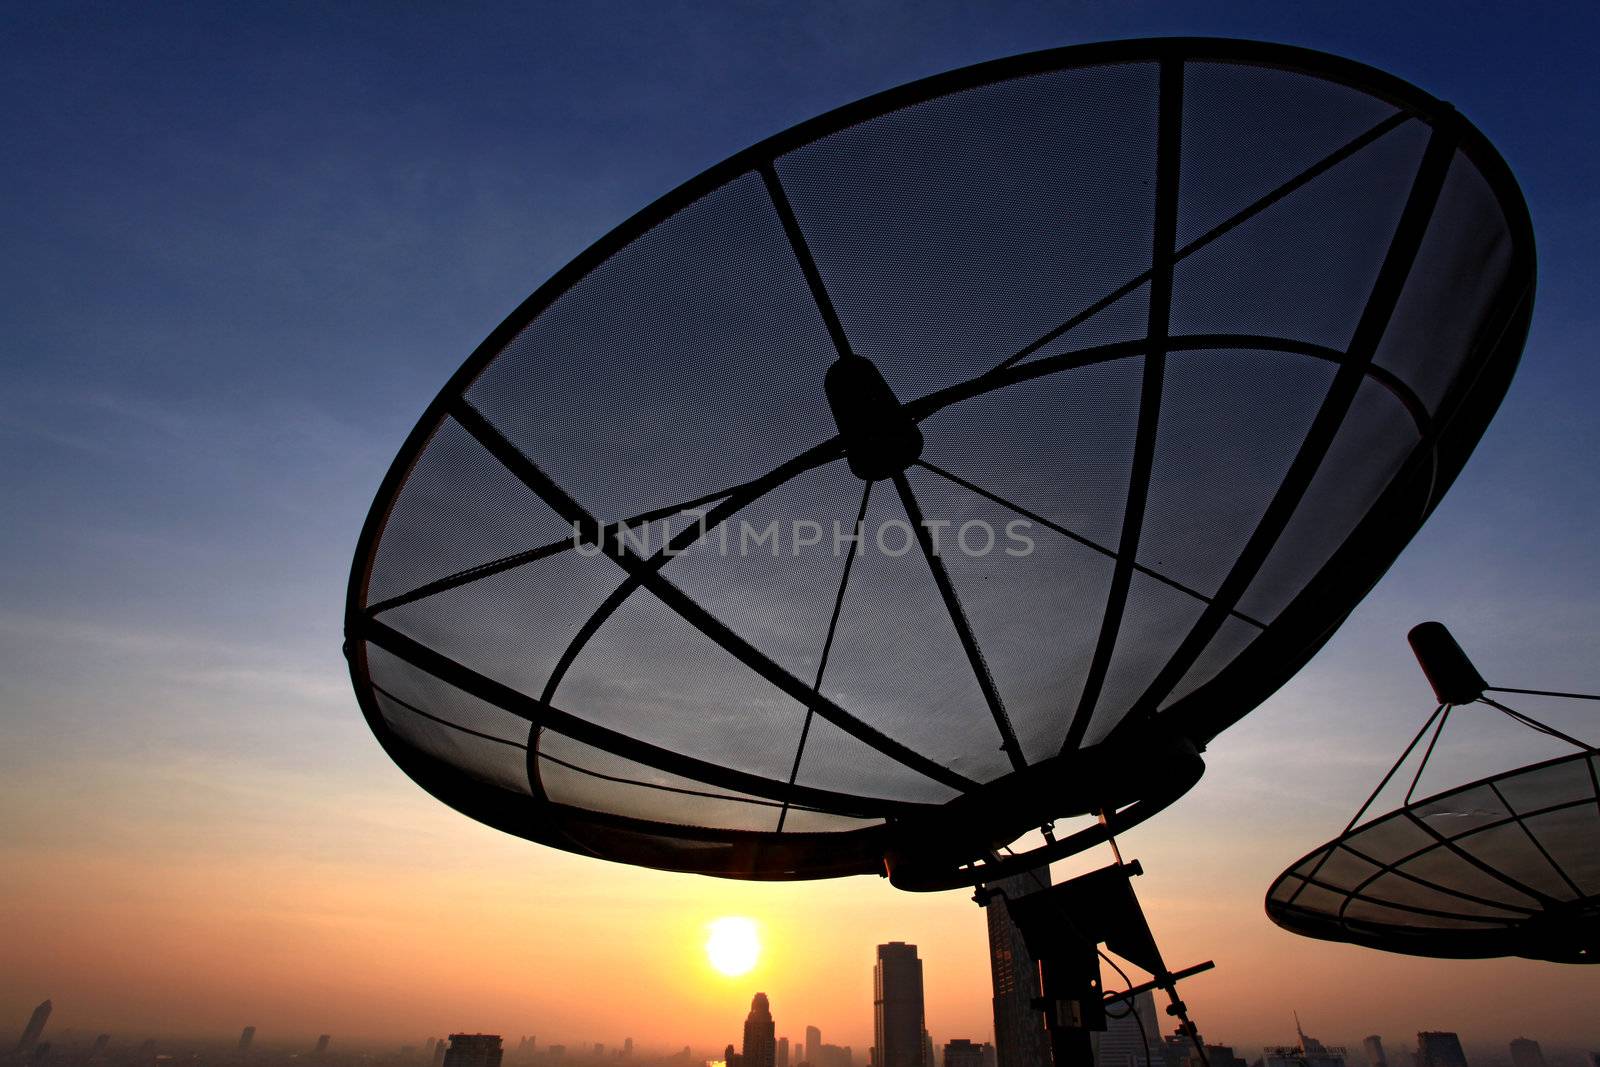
(244,247)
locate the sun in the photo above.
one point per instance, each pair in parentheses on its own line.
(733,945)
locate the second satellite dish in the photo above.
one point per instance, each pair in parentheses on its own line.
(963,459)
(1505,866)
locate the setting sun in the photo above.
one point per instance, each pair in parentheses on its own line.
(733,946)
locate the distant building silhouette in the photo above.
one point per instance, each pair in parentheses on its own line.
(322,1046)
(813,1045)
(436,1059)
(1309,1053)
(898,1021)
(99,1047)
(1439,1048)
(760,1044)
(627,1046)
(474,1050)
(147,1053)
(1020,1038)
(35,1028)
(556,1052)
(247,1037)
(960,1052)
(730,1057)
(1373,1047)
(783,1052)
(1526,1052)
(1132,1037)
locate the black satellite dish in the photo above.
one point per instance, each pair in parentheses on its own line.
(1214,323)
(1505,866)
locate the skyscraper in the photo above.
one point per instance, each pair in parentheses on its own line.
(897,1006)
(729,1057)
(783,1052)
(927,1050)
(247,1037)
(1019,1035)
(35,1028)
(1129,1040)
(1373,1047)
(760,1046)
(1439,1048)
(1526,1052)
(438,1053)
(813,1045)
(474,1050)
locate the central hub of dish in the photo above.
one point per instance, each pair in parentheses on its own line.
(880,438)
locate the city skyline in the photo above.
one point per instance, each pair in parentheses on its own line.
(246,247)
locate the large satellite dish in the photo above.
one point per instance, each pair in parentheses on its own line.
(1505,866)
(1213,323)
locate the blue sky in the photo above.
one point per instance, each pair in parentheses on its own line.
(246,244)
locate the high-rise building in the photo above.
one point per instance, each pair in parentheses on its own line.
(627,1046)
(437,1059)
(960,1052)
(322,1046)
(729,1057)
(897,1006)
(247,1037)
(599,1049)
(1526,1052)
(1131,1037)
(813,1046)
(35,1028)
(783,1052)
(991,1058)
(927,1050)
(1439,1048)
(474,1050)
(760,1044)
(1019,1035)
(1373,1047)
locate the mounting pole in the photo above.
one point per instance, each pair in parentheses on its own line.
(1063,927)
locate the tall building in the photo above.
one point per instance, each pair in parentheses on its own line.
(627,1046)
(322,1046)
(760,1045)
(1131,1039)
(1439,1048)
(247,1037)
(1020,1038)
(437,1060)
(35,1028)
(729,1057)
(1373,1047)
(897,1006)
(990,1057)
(927,1050)
(960,1052)
(1526,1052)
(474,1050)
(783,1052)
(813,1045)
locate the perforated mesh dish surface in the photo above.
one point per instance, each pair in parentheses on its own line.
(1195,334)
(1508,866)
